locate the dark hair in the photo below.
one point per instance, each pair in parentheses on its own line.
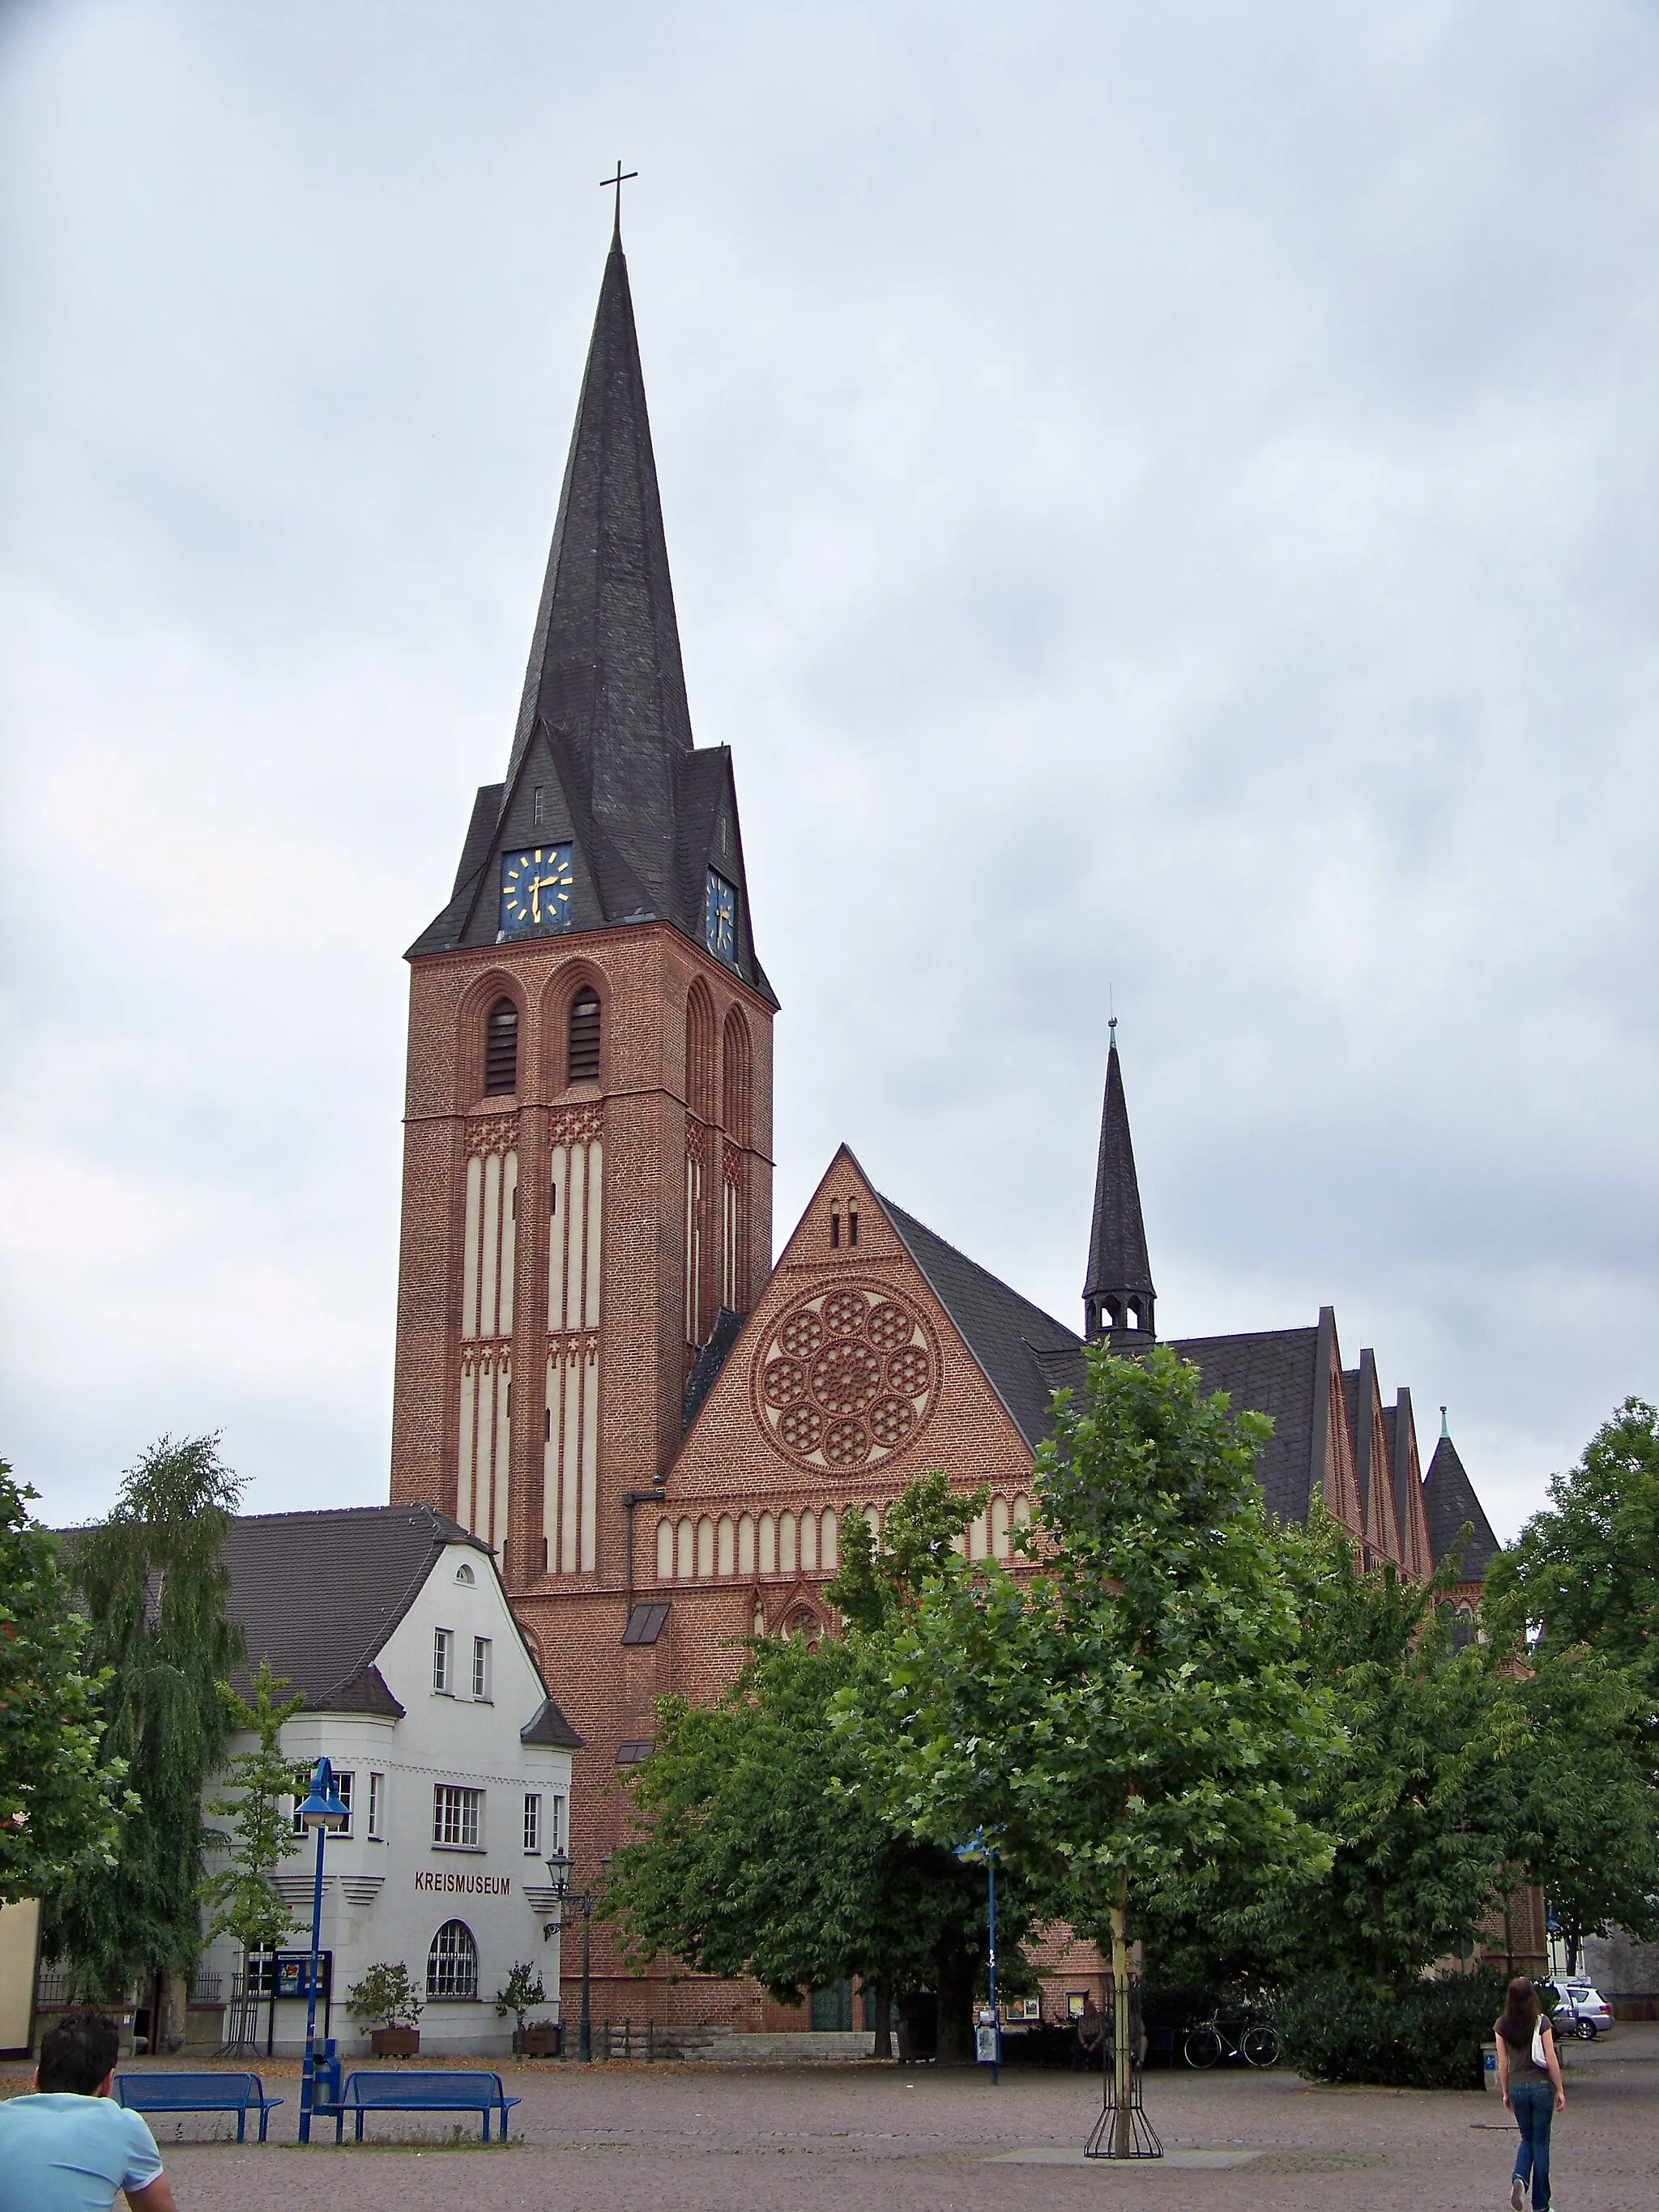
(1521,2015)
(77,2052)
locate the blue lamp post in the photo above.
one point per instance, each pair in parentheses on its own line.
(988,2041)
(325,1812)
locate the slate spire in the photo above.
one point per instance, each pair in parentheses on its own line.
(1118,1296)
(604,674)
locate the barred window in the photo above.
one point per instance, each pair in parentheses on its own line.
(452,1963)
(457,1816)
(584,1059)
(502,1048)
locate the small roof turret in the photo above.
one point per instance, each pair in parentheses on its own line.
(1118,1296)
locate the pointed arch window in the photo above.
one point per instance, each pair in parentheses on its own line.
(583,1062)
(501,1049)
(734,1077)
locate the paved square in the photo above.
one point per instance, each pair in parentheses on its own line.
(810,2139)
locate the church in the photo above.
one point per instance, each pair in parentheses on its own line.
(601,1372)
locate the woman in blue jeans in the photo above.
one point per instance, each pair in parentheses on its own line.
(1532,2092)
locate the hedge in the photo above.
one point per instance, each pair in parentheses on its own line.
(1427,2036)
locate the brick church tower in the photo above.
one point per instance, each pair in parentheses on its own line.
(587,1174)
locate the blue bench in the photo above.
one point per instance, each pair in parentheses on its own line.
(404,2092)
(156,2092)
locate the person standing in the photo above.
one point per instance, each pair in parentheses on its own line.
(1529,2076)
(69,2147)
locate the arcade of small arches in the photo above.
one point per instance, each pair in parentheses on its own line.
(707,1547)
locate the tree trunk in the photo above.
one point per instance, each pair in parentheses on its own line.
(883,1994)
(955,1974)
(171,1994)
(1123,2055)
(1574,1938)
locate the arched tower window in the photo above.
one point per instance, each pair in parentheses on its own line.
(700,1053)
(502,1048)
(452,1963)
(734,1079)
(583,1066)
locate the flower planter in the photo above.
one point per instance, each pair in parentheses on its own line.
(542,2039)
(395,2042)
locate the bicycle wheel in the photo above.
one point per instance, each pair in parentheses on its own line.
(1203,2047)
(1261,2046)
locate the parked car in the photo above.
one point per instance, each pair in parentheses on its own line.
(1578,2007)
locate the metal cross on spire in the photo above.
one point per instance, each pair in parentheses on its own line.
(618,180)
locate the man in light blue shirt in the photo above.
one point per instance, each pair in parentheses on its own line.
(69,2147)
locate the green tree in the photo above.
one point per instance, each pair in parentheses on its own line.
(1589,1816)
(257,1786)
(1427,1809)
(1586,1569)
(153,1588)
(62,1801)
(1132,1720)
(761,1848)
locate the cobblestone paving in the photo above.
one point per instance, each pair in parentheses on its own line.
(703,2139)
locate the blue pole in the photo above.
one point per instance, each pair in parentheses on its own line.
(991,1894)
(308,2071)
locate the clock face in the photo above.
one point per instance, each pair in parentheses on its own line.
(720,918)
(536,888)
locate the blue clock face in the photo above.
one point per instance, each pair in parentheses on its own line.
(719,919)
(536,888)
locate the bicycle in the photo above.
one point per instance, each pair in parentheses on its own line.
(1252,2041)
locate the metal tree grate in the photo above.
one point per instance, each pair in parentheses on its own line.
(1140,2137)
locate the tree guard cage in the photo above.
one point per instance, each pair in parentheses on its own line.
(1124,2129)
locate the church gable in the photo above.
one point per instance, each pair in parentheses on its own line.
(851,1378)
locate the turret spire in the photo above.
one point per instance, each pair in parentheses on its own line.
(1118,1296)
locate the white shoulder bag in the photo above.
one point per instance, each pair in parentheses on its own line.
(1538,2059)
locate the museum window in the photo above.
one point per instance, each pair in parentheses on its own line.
(443,1661)
(582,1064)
(452,1963)
(502,1048)
(377,1808)
(481,1669)
(457,1817)
(533,1824)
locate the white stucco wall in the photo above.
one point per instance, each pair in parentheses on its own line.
(384,1897)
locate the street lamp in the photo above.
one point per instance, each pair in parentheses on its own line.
(559,1869)
(988,2041)
(324,1811)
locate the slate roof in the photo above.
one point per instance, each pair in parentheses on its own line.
(318,1595)
(1448,1501)
(1274,1371)
(705,1369)
(1025,1353)
(1118,1259)
(603,730)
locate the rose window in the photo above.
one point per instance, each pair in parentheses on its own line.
(801,1428)
(844,1313)
(847,1378)
(891,1420)
(801,1334)
(846,1443)
(785,1381)
(908,1372)
(890,1326)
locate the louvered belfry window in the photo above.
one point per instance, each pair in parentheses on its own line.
(502,1048)
(585,1037)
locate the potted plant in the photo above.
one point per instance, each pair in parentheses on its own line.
(539,2039)
(385,1994)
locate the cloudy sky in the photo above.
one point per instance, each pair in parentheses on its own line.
(1162,505)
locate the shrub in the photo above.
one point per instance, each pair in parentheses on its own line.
(1427,2036)
(385,1996)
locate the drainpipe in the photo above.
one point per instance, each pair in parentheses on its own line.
(631,1499)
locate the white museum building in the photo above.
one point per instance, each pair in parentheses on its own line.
(448,1748)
